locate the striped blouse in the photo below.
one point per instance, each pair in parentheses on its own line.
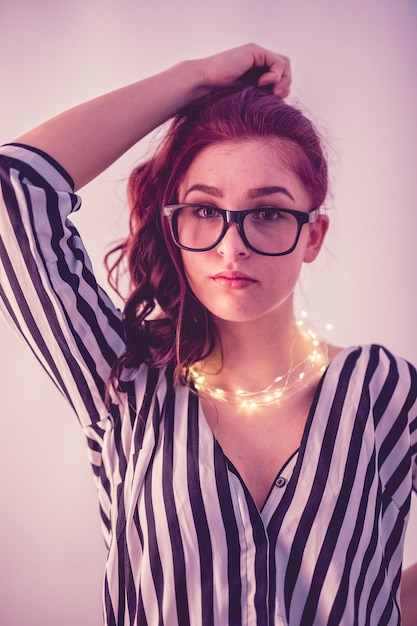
(186,543)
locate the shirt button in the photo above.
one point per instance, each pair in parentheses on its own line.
(280,482)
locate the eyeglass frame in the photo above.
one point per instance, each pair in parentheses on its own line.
(238,217)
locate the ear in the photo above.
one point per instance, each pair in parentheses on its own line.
(317,233)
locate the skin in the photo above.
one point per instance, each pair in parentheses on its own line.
(249,295)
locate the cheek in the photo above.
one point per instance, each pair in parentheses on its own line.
(193,265)
(289,265)
(283,275)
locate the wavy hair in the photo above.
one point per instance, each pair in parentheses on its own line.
(184,334)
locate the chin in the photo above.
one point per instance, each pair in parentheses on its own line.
(237,317)
(253,312)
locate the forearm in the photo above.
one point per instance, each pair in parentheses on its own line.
(409,596)
(88,138)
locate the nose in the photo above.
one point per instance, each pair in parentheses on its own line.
(232,244)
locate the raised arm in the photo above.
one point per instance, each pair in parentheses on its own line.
(88,138)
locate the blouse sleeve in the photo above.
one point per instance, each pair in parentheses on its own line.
(410,406)
(48,292)
(413,426)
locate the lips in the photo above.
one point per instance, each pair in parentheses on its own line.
(233,279)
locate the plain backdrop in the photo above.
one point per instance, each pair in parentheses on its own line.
(354,67)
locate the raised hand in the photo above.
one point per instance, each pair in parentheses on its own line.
(250,63)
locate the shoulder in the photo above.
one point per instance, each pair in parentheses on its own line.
(375,354)
(376,368)
(35,165)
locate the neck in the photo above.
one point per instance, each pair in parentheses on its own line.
(248,381)
(254,354)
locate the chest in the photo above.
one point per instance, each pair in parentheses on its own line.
(189,526)
(258,442)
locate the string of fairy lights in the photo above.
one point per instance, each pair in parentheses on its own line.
(282,387)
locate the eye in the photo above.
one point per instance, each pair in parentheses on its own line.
(268,214)
(205,211)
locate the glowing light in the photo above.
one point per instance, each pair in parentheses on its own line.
(284,386)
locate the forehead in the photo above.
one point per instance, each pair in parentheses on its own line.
(239,166)
(250,151)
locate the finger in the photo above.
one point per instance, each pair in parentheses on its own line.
(278,68)
(281,65)
(279,86)
(281,90)
(278,76)
(276,63)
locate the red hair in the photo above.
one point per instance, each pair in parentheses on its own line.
(185,334)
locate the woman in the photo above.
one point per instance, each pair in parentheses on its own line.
(247,472)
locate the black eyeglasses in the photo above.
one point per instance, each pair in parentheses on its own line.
(268,230)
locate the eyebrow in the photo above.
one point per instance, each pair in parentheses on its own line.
(212,191)
(257,192)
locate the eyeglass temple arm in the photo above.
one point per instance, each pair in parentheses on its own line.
(314,215)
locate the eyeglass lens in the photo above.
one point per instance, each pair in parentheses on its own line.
(268,230)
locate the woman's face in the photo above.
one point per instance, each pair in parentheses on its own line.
(231,281)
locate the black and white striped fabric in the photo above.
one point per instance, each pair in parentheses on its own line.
(187,545)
